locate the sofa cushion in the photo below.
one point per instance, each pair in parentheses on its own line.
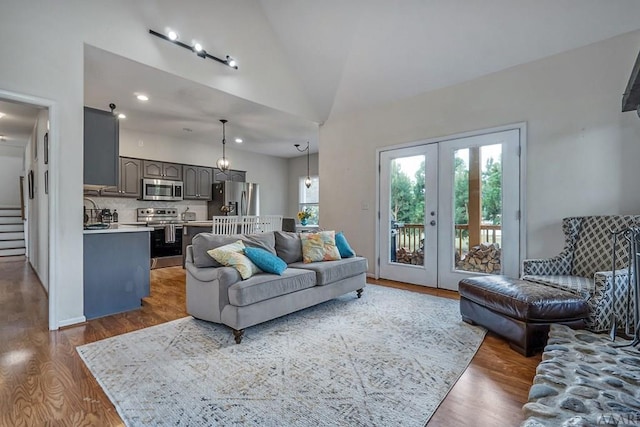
(266,261)
(319,246)
(204,242)
(583,286)
(288,246)
(331,271)
(266,286)
(232,255)
(343,246)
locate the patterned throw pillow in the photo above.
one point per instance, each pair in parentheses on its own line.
(319,247)
(231,255)
(266,261)
(343,246)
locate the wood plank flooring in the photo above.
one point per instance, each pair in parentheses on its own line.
(43,381)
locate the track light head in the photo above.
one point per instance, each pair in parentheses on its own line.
(173,36)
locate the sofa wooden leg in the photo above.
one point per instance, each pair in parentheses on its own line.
(237,334)
(359,292)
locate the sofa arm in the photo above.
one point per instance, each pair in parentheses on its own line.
(557,266)
(607,299)
(208,290)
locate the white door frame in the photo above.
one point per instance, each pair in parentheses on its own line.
(427,273)
(521,126)
(54,179)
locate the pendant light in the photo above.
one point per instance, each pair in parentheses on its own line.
(223,162)
(307,180)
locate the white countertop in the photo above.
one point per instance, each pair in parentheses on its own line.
(120,228)
(199,223)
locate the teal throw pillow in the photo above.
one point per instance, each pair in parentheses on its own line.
(266,261)
(343,246)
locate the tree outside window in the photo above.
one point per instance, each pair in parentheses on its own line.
(309,199)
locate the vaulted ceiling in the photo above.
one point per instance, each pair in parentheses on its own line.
(352,55)
(340,56)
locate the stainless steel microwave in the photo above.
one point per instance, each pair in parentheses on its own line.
(161,189)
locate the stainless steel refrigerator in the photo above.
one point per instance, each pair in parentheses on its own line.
(242,197)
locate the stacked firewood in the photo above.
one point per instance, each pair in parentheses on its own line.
(484,258)
(405,256)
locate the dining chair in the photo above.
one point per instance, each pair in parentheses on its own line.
(226,225)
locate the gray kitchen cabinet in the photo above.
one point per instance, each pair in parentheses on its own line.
(129,180)
(161,170)
(101,147)
(230,175)
(197,182)
(116,272)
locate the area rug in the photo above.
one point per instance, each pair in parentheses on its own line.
(387,359)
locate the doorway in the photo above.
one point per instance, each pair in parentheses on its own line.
(29,126)
(451,208)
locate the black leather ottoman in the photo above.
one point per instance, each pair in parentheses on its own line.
(518,310)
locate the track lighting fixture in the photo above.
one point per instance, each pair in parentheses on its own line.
(195,47)
(307,180)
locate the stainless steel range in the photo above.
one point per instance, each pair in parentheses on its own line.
(166,238)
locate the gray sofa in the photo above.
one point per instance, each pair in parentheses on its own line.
(218,294)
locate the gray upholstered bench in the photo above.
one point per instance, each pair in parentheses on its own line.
(518,310)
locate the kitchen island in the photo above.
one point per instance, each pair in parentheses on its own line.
(116,269)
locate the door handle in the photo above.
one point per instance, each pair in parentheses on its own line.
(433,222)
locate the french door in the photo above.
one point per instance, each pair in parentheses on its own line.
(450,209)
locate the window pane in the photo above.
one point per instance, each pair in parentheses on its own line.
(311,194)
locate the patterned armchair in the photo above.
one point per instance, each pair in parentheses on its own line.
(584,267)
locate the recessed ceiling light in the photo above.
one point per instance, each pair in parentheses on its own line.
(142,97)
(121,116)
(2,115)
(239,140)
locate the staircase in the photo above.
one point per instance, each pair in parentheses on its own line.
(11,232)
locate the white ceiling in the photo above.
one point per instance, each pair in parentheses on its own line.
(353,55)
(17,124)
(187,110)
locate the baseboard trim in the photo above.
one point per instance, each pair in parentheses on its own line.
(72,321)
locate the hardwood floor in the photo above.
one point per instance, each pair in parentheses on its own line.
(43,381)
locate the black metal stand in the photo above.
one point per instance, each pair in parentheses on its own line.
(632,235)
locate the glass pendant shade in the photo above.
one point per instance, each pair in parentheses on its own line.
(223,162)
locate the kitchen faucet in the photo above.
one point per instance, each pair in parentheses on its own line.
(96,209)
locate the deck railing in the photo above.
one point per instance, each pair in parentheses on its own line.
(410,236)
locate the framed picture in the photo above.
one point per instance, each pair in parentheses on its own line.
(46,180)
(46,148)
(31,185)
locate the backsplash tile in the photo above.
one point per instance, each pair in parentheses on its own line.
(127,207)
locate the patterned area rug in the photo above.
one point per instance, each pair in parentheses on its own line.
(387,359)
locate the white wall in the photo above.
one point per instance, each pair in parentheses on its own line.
(11,166)
(297,170)
(55,32)
(268,171)
(582,157)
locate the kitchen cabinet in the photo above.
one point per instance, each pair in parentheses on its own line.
(230,175)
(116,272)
(129,180)
(161,170)
(197,182)
(101,147)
